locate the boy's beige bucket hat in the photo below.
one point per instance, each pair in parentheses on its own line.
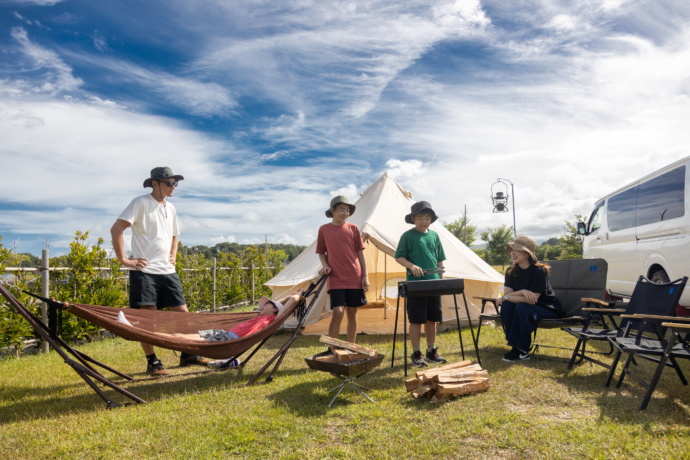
(336,201)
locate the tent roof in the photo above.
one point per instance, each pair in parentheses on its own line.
(380,215)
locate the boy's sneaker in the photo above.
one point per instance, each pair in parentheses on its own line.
(418,360)
(156,369)
(434,357)
(193,360)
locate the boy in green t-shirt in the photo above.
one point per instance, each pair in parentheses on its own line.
(420,249)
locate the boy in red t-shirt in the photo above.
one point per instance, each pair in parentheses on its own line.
(341,252)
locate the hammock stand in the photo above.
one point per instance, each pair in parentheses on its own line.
(84,365)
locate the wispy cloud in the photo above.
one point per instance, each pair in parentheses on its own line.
(55,75)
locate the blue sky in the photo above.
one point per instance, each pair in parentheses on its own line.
(271,108)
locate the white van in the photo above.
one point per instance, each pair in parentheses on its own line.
(643,229)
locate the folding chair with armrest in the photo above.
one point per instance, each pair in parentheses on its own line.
(647,298)
(656,338)
(667,342)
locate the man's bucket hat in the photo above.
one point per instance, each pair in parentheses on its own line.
(338,200)
(161,172)
(417,208)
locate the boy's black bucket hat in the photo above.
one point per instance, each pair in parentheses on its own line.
(418,208)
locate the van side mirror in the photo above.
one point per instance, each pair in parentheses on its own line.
(581,228)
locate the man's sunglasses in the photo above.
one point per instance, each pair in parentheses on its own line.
(169,184)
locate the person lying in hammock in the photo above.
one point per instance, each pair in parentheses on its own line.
(268,311)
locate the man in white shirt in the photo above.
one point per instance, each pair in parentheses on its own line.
(154,283)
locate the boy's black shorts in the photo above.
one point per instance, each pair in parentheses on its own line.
(347,298)
(161,290)
(423,309)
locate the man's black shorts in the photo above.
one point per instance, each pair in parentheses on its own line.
(423,309)
(347,298)
(162,291)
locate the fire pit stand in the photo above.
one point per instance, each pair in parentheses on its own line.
(347,372)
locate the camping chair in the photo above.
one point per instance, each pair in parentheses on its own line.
(147,326)
(577,283)
(645,336)
(642,301)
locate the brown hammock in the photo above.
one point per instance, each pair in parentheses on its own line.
(147,326)
(150,325)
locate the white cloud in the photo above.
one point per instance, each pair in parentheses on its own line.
(59,76)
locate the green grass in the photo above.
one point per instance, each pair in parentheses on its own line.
(535,409)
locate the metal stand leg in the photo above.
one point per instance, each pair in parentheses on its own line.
(469,320)
(395,332)
(349,381)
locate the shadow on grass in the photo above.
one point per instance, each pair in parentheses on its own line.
(56,400)
(311,399)
(22,403)
(668,406)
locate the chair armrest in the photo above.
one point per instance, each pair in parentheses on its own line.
(681,319)
(485,300)
(594,301)
(677,325)
(606,310)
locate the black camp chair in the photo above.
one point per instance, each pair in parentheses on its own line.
(577,284)
(645,336)
(647,298)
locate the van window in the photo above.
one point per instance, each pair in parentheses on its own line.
(662,198)
(621,210)
(595,218)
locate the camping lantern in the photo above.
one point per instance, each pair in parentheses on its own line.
(499,197)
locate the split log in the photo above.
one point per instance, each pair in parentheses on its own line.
(412,384)
(455,377)
(422,391)
(328,358)
(348,346)
(457,389)
(347,356)
(426,376)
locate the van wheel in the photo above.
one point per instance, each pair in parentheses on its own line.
(660,277)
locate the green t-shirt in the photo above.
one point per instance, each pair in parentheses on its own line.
(422,249)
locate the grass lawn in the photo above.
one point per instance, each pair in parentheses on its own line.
(534,409)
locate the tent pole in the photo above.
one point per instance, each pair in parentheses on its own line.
(385,285)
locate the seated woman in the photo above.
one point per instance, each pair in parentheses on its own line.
(528,298)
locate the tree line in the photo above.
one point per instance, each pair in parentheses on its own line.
(567,246)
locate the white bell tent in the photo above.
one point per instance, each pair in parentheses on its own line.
(380,216)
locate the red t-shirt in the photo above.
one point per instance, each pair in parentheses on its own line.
(253,325)
(341,243)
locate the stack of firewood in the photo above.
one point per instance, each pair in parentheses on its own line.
(449,381)
(345,352)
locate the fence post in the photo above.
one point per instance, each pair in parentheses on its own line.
(45,292)
(214,285)
(251,273)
